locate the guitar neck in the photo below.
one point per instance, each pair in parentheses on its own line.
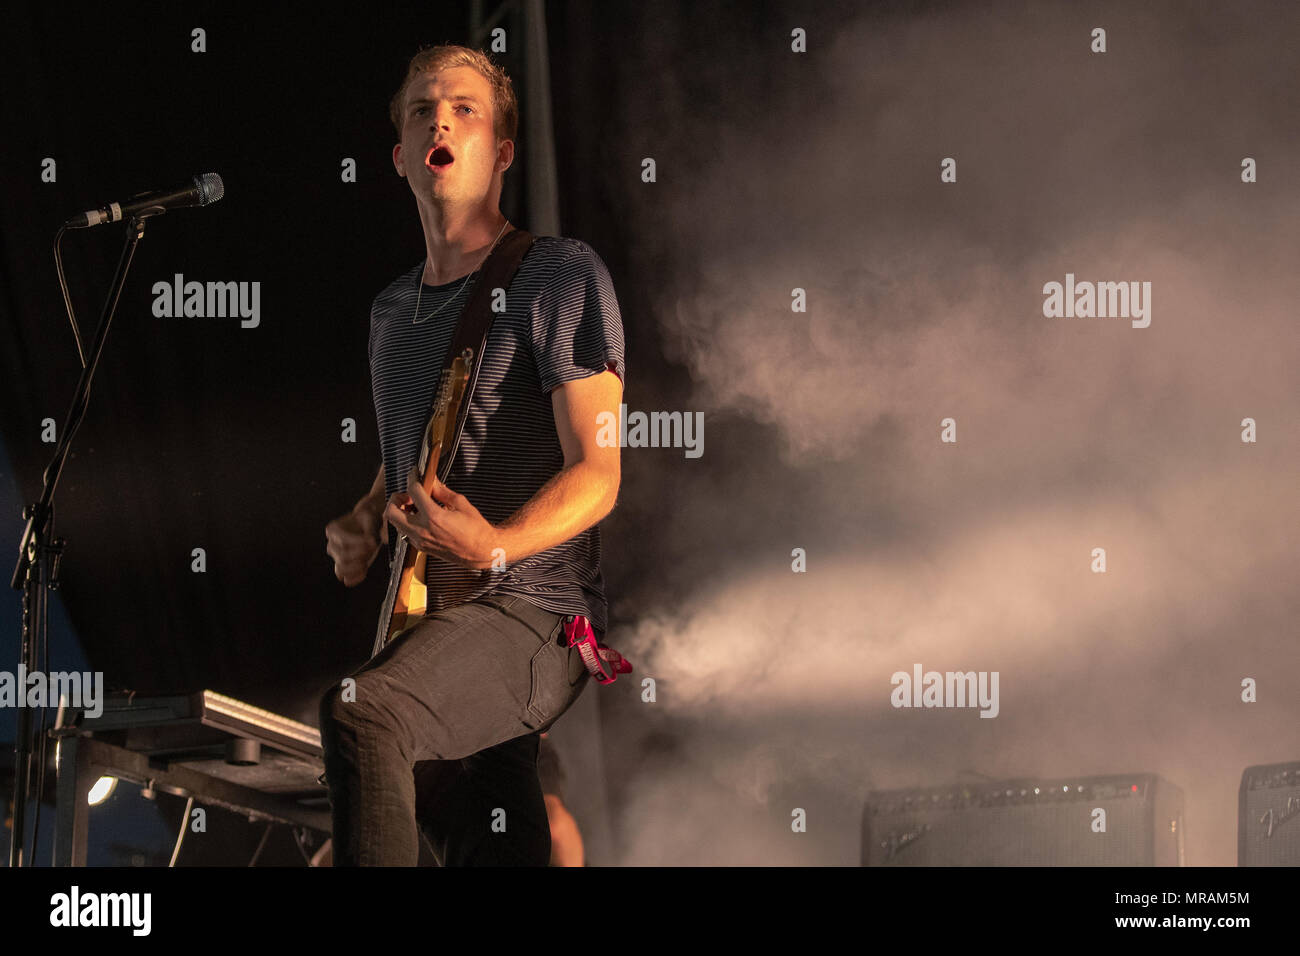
(406,600)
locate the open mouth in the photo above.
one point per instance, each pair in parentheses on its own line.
(439,157)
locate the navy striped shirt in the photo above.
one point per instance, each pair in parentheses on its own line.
(561,323)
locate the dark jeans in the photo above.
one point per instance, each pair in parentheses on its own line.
(440,733)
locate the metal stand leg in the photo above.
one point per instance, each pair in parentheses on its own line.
(72,813)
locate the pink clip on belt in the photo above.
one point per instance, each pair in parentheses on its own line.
(596,656)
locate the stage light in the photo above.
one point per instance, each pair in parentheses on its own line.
(102,790)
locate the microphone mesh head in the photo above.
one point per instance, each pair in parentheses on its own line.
(211,188)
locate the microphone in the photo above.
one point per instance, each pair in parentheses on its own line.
(202,191)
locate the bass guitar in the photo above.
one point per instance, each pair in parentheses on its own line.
(406,600)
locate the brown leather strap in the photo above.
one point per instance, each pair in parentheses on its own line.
(476,321)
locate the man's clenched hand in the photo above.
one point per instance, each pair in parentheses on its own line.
(353,541)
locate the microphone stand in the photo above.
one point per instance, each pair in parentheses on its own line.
(39,552)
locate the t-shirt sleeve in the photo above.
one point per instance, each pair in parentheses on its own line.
(576,325)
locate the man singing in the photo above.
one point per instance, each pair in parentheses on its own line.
(440,731)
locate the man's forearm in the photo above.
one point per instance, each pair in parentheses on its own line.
(570,503)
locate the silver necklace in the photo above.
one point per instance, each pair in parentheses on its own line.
(415,319)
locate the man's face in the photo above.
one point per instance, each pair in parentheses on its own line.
(448,149)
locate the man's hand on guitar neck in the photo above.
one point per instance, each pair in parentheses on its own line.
(444,525)
(356,537)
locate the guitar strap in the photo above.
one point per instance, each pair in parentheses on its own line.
(471,332)
(476,321)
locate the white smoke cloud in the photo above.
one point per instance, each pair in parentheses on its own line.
(925,302)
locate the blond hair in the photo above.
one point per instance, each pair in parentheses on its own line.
(434,59)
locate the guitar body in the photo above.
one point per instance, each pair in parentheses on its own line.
(406,600)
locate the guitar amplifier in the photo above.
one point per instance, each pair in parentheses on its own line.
(1027,823)
(1268,816)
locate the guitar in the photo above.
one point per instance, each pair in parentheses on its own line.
(406,601)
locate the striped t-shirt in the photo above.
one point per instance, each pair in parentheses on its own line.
(561,323)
